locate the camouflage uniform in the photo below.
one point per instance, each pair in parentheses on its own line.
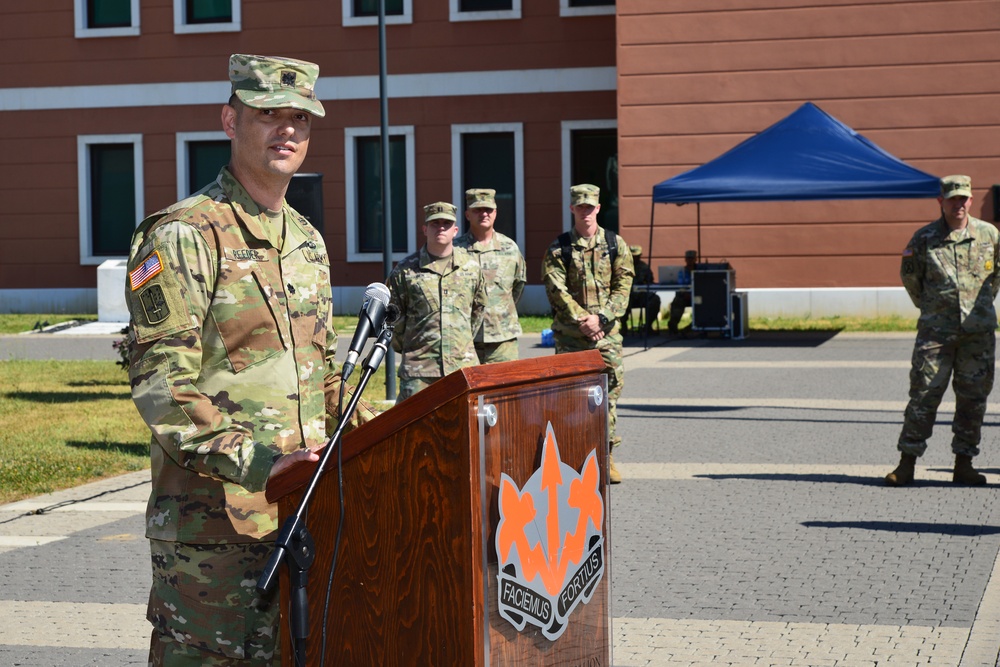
(591,285)
(952,277)
(504,272)
(441,303)
(232,365)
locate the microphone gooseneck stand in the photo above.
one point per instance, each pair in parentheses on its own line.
(295,545)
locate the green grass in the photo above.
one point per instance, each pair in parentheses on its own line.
(865,324)
(64,423)
(18,322)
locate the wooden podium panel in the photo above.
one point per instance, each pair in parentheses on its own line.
(416,578)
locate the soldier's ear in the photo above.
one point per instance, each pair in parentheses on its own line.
(229,120)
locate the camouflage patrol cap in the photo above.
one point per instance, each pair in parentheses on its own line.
(956,186)
(440,210)
(480,198)
(266,82)
(585,194)
(636,250)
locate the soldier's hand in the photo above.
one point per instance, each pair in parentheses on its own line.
(590,326)
(288,460)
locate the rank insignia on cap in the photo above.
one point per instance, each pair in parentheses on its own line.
(141,274)
(288,78)
(154,304)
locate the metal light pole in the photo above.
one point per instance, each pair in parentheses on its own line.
(383,95)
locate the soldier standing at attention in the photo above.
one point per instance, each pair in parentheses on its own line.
(441,297)
(232,368)
(588,276)
(949,269)
(504,273)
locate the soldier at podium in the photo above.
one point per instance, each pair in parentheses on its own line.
(229,295)
(588,276)
(441,296)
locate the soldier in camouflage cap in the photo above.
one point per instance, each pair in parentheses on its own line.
(232,368)
(949,269)
(504,271)
(588,275)
(275,83)
(441,296)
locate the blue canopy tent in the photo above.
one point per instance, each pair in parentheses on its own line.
(809,155)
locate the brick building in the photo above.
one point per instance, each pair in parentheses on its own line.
(116,109)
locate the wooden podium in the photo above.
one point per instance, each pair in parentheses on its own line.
(417,574)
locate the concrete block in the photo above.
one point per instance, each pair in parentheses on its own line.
(111,291)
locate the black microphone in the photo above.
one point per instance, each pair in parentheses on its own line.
(370,320)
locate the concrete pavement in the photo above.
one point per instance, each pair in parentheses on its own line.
(752,527)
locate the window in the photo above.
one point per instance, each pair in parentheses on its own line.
(484,10)
(109,178)
(106,18)
(200,156)
(590,155)
(365,12)
(491,156)
(363,185)
(192,16)
(586,7)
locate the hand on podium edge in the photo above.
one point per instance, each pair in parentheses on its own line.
(292,458)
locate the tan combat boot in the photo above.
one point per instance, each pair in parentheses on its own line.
(965,473)
(903,474)
(614,476)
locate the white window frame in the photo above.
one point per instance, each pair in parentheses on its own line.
(566,10)
(182,27)
(83,144)
(351,21)
(454,15)
(568,127)
(458,195)
(351,134)
(81,31)
(183,166)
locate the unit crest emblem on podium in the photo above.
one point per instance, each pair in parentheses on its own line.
(550,544)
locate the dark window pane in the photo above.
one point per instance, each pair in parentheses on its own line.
(208,11)
(205,159)
(370,7)
(591,3)
(595,160)
(369,195)
(488,162)
(484,5)
(112,198)
(109,13)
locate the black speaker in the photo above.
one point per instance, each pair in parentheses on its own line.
(305,195)
(996,202)
(710,303)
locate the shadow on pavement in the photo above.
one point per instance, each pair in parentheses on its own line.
(955,529)
(709,339)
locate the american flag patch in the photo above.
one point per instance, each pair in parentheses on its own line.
(141,274)
(908,252)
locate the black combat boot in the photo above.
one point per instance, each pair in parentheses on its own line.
(965,473)
(903,474)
